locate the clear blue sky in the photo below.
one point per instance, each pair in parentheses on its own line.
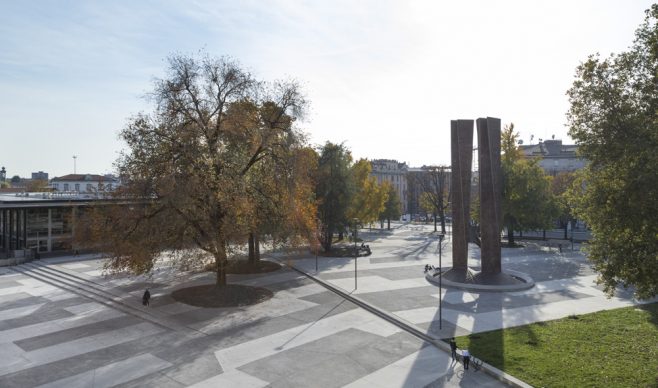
(386,77)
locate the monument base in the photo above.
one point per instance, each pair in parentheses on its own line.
(474,280)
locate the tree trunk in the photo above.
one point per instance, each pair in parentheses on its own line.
(327,239)
(252,251)
(443,224)
(220,261)
(389,224)
(510,235)
(340,236)
(257,247)
(566,226)
(434,215)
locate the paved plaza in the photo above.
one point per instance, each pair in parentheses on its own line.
(63,324)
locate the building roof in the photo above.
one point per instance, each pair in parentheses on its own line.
(550,149)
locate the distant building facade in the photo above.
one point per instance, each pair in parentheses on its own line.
(395,173)
(40,176)
(84,183)
(554,157)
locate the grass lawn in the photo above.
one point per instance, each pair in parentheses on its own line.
(615,348)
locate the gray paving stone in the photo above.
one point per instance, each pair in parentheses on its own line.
(29,300)
(488,302)
(320,361)
(43,314)
(159,380)
(13,297)
(386,350)
(62,336)
(334,371)
(322,311)
(57,370)
(8,283)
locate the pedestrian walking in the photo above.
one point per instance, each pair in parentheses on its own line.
(467,358)
(146,297)
(453,348)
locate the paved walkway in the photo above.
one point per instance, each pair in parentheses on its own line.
(64,325)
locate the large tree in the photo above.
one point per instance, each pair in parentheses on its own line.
(613,119)
(528,203)
(194,165)
(334,189)
(392,207)
(435,195)
(369,198)
(560,187)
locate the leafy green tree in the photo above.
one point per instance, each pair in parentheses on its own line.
(613,120)
(392,207)
(190,167)
(560,185)
(334,189)
(527,200)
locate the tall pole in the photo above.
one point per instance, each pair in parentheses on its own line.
(356,252)
(75,157)
(440,285)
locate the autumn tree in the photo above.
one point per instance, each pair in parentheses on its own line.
(193,165)
(392,207)
(613,120)
(435,196)
(368,198)
(333,190)
(527,200)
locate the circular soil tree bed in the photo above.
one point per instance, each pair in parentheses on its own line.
(232,295)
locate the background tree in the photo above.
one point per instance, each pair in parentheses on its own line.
(392,207)
(560,185)
(369,198)
(333,190)
(190,165)
(527,200)
(613,120)
(435,196)
(35,185)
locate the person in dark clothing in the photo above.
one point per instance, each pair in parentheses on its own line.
(453,348)
(467,358)
(146,297)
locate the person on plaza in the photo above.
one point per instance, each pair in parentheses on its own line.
(146,297)
(453,348)
(467,358)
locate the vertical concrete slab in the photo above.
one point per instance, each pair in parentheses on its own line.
(461,132)
(490,193)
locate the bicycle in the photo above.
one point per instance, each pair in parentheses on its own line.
(474,363)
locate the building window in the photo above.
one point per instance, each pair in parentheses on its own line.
(77,187)
(89,187)
(66,187)
(56,186)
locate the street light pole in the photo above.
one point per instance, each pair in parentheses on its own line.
(356,252)
(441,236)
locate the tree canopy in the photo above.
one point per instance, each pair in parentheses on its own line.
(435,196)
(369,198)
(393,206)
(219,151)
(527,200)
(613,118)
(333,189)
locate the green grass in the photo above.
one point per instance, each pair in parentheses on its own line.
(614,348)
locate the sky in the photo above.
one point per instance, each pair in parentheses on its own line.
(384,77)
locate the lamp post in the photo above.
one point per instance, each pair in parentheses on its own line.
(356,252)
(441,237)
